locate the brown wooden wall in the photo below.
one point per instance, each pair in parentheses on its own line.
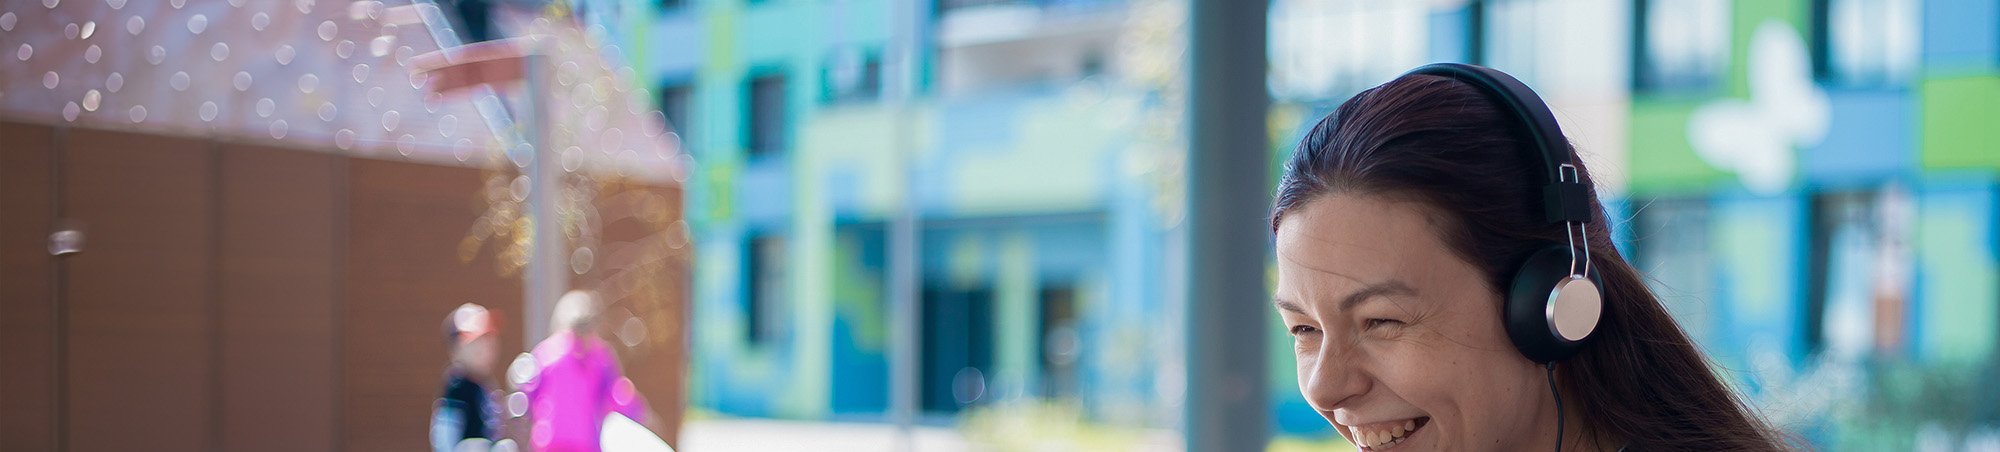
(279,247)
(241,298)
(403,275)
(141,298)
(27,294)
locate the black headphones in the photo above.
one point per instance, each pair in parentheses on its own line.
(1554,303)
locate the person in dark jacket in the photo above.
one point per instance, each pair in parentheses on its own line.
(466,411)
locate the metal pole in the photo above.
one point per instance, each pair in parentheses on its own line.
(547,273)
(545,277)
(905,320)
(1228,191)
(905,253)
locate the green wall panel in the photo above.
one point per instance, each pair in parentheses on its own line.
(1959,128)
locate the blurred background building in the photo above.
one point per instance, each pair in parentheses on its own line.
(1040,228)
(1810,185)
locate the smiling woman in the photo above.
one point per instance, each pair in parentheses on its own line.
(1405,222)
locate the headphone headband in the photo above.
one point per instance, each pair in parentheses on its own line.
(1564,199)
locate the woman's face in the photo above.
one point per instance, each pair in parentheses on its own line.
(1393,330)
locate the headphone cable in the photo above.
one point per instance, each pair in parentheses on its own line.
(1559,405)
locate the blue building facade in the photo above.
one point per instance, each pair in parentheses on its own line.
(1043,240)
(1810,184)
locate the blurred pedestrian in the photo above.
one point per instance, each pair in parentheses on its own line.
(579,381)
(465,414)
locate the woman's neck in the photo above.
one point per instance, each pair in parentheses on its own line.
(1581,434)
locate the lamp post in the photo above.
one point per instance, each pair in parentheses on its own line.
(483,64)
(1228,187)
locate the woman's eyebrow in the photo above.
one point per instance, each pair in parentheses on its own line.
(1288,305)
(1381,289)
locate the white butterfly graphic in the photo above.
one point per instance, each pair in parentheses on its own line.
(1786,111)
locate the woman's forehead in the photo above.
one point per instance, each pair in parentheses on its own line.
(1355,240)
(1357,226)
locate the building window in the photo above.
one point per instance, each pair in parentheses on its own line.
(1515,36)
(764,268)
(944,6)
(668,6)
(1864,42)
(675,100)
(957,348)
(1683,45)
(1672,243)
(1061,344)
(852,77)
(1092,65)
(1859,280)
(1322,50)
(1457,33)
(765,134)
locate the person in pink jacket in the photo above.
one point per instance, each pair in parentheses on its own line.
(578,382)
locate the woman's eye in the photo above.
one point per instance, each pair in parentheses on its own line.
(1372,323)
(1302,329)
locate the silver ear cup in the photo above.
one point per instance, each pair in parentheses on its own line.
(1574,308)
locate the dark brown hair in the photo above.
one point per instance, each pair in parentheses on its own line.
(1443,143)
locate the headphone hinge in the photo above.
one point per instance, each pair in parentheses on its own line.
(1567,202)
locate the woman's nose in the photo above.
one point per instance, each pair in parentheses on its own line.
(1333,377)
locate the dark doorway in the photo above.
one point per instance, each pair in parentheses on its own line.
(1061,343)
(957,347)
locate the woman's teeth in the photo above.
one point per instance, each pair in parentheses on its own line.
(1384,434)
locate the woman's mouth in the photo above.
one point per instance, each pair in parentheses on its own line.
(1382,436)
